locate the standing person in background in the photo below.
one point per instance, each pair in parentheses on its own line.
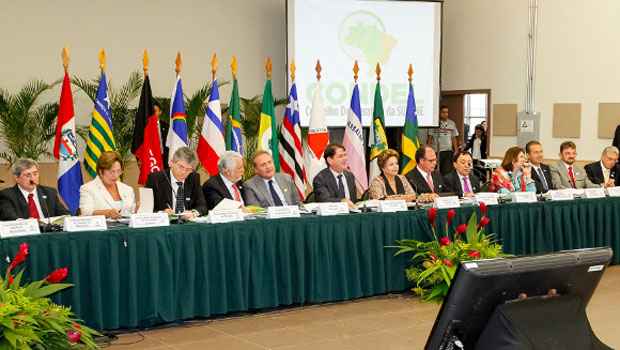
(446,136)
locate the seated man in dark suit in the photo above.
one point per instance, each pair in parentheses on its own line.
(335,183)
(268,188)
(424,178)
(461,180)
(226,184)
(541,173)
(27,199)
(605,172)
(178,190)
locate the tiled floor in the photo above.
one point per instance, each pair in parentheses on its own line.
(386,323)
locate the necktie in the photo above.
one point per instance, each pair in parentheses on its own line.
(274,195)
(341,193)
(429,181)
(180,200)
(236,193)
(543,180)
(32,207)
(571,176)
(466,186)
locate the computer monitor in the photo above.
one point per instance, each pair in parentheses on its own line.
(480,286)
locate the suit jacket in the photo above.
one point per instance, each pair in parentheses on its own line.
(214,190)
(537,180)
(469,146)
(559,177)
(595,173)
(452,183)
(418,182)
(94,196)
(616,141)
(326,188)
(160,182)
(13,205)
(256,191)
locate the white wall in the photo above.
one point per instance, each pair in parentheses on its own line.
(485,45)
(34,32)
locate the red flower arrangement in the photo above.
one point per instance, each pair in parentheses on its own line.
(434,263)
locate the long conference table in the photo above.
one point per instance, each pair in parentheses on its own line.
(135,278)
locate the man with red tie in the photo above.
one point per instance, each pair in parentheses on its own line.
(27,199)
(565,173)
(226,184)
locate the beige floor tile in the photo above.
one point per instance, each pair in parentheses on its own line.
(137,341)
(222,343)
(251,324)
(278,338)
(185,334)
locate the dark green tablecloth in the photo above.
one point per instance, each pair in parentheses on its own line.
(127,278)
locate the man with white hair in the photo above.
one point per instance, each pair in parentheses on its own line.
(178,190)
(226,184)
(605,172)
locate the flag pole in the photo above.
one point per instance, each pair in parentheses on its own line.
(178,63)
(293,69)
(268,68)
(145,62)
(410,73)
(65,58)
(213,66)
(102,60)
(233,67)
(378,71)
(318,70)
(356,70)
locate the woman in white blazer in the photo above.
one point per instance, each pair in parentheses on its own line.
(106,194)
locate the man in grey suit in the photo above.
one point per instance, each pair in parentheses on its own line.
(565,174)
(268,188)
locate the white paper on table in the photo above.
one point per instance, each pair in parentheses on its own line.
(147,203)
(226,203)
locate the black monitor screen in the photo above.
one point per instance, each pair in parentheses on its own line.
(479,286)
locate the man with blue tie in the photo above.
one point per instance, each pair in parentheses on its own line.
(268,188)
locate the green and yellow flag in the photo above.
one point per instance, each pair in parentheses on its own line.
(410,141)
(233,126)
(267,133)
(100,136)
(377,140)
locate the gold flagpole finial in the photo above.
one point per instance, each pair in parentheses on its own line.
(145,62)
(378,71)
(410,72)
(318,69)
(102,59)
(268,67)
(65,58)
(293,69)
(178,63)
(233,67)
(356,70)
(213,66)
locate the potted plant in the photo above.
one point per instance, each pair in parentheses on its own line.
(434,263)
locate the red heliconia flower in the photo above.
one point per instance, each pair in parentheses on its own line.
(460,229)
(57,275)
(432,215)
(10,279)
(483,208)
(447,262)
(484,221)
(444,241)
(20,257)
(433,257)
(74,336)
(474,254)
(451,215)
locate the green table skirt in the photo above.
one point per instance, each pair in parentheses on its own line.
(133,278)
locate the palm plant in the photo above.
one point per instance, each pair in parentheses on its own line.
(122,104)
(250,121)
(26,126)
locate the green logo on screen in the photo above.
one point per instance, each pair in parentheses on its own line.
(362,35)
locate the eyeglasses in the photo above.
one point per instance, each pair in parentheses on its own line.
(183,168)
(30,175)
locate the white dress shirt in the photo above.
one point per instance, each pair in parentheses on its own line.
(35,197)
(475,152)
(278,189)
(606,173)
(347,194)
(229,186)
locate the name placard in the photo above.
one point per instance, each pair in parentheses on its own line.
(392,205)
(447,202)
(335,208)
(595,192)
(85,223)
(221,216)
(149,220)
(488,198)
(613,191)
(287,211)
(561,195)
(18,228)
(524,197)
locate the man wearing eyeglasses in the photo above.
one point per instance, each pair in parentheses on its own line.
(605,172)
(461,180)
(424,178)
(178,190)
(27,199)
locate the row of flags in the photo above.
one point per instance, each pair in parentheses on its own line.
(301,161)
